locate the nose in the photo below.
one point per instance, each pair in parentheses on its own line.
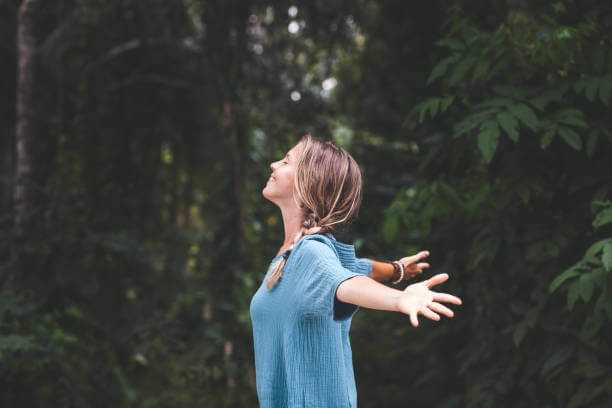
(273,165)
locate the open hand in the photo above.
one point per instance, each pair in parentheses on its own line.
(412,266)
(419,299)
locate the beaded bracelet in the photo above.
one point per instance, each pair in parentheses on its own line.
(401,277)
(396,271)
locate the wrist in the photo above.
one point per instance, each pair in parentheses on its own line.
(398,300)
(398,272)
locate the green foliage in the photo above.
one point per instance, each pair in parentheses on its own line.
(592,271)
(507,173)
(433,106)
(502,54)
(146,234)
(13,343)
(484,135)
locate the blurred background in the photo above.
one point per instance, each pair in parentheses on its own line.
(136,137)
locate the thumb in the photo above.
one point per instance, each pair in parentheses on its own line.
(416,258)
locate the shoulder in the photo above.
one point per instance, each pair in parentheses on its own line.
(315,246)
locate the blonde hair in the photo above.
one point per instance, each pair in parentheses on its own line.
(327,184)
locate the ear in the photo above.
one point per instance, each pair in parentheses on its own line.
(297,201)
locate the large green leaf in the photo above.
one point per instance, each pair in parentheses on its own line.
(603,217)
(509,124)
(525,114)
(572,294)
(434,105)
(605,88)
(472,121)
(547,137)
(488,139)
(586,286)
(422,108)
(600,277)
(446,102)
(577,121)
(481,68)
(606,257)
(571,137)
(595,248)
(441,67)
(461,70)
(567,274)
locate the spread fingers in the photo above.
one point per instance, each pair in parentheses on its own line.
(437,307)
(429,314)
(445,297)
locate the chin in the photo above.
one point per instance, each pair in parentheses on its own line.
(266,193)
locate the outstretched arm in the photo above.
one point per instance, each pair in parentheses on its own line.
(383,271)
(414,300)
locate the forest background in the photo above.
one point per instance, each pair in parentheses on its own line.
(137,137)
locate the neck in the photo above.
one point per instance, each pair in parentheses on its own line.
(293,216)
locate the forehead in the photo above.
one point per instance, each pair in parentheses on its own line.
(295,150)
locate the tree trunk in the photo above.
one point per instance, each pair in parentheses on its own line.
(26,49)
(6,168)
(231,126)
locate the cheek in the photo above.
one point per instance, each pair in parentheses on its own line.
(286,176)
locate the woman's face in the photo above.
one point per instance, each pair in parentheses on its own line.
(279,188)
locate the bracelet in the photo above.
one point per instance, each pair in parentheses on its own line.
(401,277)
(396,271)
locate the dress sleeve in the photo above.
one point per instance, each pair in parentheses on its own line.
(321,274)
(363,266)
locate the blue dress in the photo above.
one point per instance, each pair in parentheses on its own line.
(300,330)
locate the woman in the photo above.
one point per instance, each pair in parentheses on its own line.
(301,313)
